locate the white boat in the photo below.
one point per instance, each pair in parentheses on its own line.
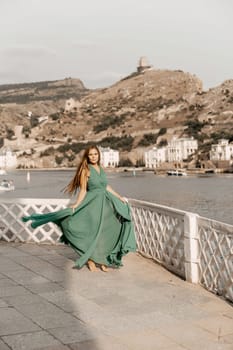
(177,172)
(7,185)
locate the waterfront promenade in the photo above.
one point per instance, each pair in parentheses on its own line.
(47,304)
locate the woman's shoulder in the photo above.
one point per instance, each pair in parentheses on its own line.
(85,172)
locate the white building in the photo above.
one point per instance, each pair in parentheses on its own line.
(223,150)
(109,157)
(155,157)
(7,159)
(181,149)
(176,150)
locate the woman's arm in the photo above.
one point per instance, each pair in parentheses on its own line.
(109,189)
(82,191)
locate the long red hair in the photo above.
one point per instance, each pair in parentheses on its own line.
(82,166)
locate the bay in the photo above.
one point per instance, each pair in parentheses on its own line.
(207,195)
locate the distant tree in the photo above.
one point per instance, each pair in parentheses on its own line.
(140,162)
(47,152)
(1,142)
(222,134)
(162,131)
(125,162)
(55,116)
(26,131)
(107,122)
(148,139)
(34,121)
(194,128)
(123,143)
(162,143)
(70,157)
(9,133)
(59,160)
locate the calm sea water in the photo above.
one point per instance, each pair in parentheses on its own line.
(210,195)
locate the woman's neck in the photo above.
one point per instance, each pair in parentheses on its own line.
(95,165)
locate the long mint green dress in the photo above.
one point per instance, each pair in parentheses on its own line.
(99,229)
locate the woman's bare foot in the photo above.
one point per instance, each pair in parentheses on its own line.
(91,266)
(104,268)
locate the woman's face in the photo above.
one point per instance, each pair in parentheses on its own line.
(93,156)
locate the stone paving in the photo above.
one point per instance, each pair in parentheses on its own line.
(47,304)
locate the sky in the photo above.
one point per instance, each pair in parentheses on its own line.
(101,41)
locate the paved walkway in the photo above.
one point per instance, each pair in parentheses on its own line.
(46,304)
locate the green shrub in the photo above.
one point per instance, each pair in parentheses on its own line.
(59,160)
(107,122)
(222,134)
(9,133)
(26,131)
(55,116)
(125,162)
(162,143)
(34,121)
(123,143)
(140,162)
(148,139)
(70,157)
(75,147)
(47,152)
(162,131)
(194,127)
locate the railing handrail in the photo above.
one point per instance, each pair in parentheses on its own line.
(157,206)
(35,200)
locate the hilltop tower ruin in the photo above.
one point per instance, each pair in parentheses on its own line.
(143,65)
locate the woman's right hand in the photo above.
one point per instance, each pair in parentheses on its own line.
(73,207)
(124,199)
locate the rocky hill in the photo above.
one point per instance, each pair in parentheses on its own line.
(41,98)
(135,113)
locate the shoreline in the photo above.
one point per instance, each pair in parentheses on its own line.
(156,171)
(115,170)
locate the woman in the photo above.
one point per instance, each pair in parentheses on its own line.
(98,225)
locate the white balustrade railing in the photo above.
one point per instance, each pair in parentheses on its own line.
(160,234)
(198,249)
(13,229)
(216,256)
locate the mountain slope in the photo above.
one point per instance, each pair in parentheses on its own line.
(131,115)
